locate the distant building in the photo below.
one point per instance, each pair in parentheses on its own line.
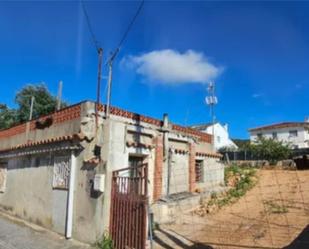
(222,138)
(294,133)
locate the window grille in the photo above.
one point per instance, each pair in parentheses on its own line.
(199,171)
(61,172)
(3,173)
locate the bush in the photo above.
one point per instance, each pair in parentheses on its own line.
(106,242)
(270,150)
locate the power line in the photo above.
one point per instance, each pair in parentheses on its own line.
(114,54)
(93,37)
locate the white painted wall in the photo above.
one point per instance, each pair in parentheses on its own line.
(283,134)
(222,138)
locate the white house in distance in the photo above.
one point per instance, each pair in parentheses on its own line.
(222,138)
(294,133)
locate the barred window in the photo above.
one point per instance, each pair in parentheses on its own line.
(199,170)
(3,173)
(61,172)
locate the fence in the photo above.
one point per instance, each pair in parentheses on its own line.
(246,155)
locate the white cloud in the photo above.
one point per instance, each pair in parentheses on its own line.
(257,95)
(172,67)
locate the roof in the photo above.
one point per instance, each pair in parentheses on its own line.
(74,112)
(280,126)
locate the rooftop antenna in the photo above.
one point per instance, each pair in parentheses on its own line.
(211,100)
(59,96)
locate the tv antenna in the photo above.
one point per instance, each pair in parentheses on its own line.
(211,100)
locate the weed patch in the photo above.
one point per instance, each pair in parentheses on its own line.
(238,180)
(275,208)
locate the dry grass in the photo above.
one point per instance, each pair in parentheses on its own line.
(270,215)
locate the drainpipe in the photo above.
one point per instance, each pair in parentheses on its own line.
(69,220)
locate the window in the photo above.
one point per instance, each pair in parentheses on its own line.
(218,139)
(275,135)
(61,172)
(293,133)
(3,173)
(199,171)
(134,162)
(259,135)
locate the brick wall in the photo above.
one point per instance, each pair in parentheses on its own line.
(191,167)
(141,118)
(61,116)
(158,170)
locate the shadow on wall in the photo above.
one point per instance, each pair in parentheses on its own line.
(302,240)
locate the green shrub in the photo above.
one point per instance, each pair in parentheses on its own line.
(106,242)
(270,150)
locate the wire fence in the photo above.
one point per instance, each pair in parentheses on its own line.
(247,155)
(272,213)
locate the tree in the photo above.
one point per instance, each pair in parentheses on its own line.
(243,144)
(44,102)
(270,149)
(7,117)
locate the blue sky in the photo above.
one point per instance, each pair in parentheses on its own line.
(256,52)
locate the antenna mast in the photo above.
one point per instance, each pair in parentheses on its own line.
(212,100)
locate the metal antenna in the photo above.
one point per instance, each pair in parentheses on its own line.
(212,100)
(59,96)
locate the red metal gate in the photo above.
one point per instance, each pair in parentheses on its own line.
(129,202)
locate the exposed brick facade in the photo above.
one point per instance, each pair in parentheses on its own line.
(141,118)
(74,111)
(158,170)
(191,168)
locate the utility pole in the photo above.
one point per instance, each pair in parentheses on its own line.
(109,88)
(59,96)
(31,108)
(100,56)
(109,83)
(30,118)
(212,100)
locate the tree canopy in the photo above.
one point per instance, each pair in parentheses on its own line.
(44,103)
(270,149)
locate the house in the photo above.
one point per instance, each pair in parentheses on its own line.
(294,133)
(79,172)
(222,138)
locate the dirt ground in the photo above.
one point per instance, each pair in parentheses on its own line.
(274,214)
